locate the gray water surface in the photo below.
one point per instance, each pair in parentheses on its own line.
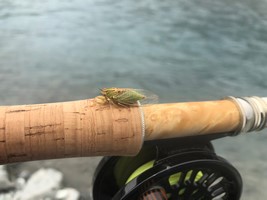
(181,50)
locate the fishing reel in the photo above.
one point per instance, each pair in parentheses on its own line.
(172,169)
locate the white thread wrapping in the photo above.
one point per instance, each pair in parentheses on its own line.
(143,126)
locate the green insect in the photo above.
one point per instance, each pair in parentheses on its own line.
(122,96)
(125,96)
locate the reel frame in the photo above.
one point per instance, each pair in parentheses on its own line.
(203,174)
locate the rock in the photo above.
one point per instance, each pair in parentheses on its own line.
(67,194)
(22,179)
(5,183)
(20,183)
(8,196)
(41,185)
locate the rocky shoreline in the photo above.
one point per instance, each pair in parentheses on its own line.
(43,184)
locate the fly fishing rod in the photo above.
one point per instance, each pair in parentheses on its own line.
(89,128)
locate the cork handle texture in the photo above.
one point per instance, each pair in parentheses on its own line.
(68,129)
(190,119)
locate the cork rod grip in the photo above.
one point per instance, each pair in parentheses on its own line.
(87,128)
(68,129)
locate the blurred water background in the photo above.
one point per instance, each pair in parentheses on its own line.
(181,50)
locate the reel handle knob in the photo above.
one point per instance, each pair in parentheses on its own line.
(155,193)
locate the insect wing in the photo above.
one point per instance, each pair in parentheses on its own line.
(150,97)
(130,96)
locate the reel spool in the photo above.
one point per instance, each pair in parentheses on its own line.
(176,169)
